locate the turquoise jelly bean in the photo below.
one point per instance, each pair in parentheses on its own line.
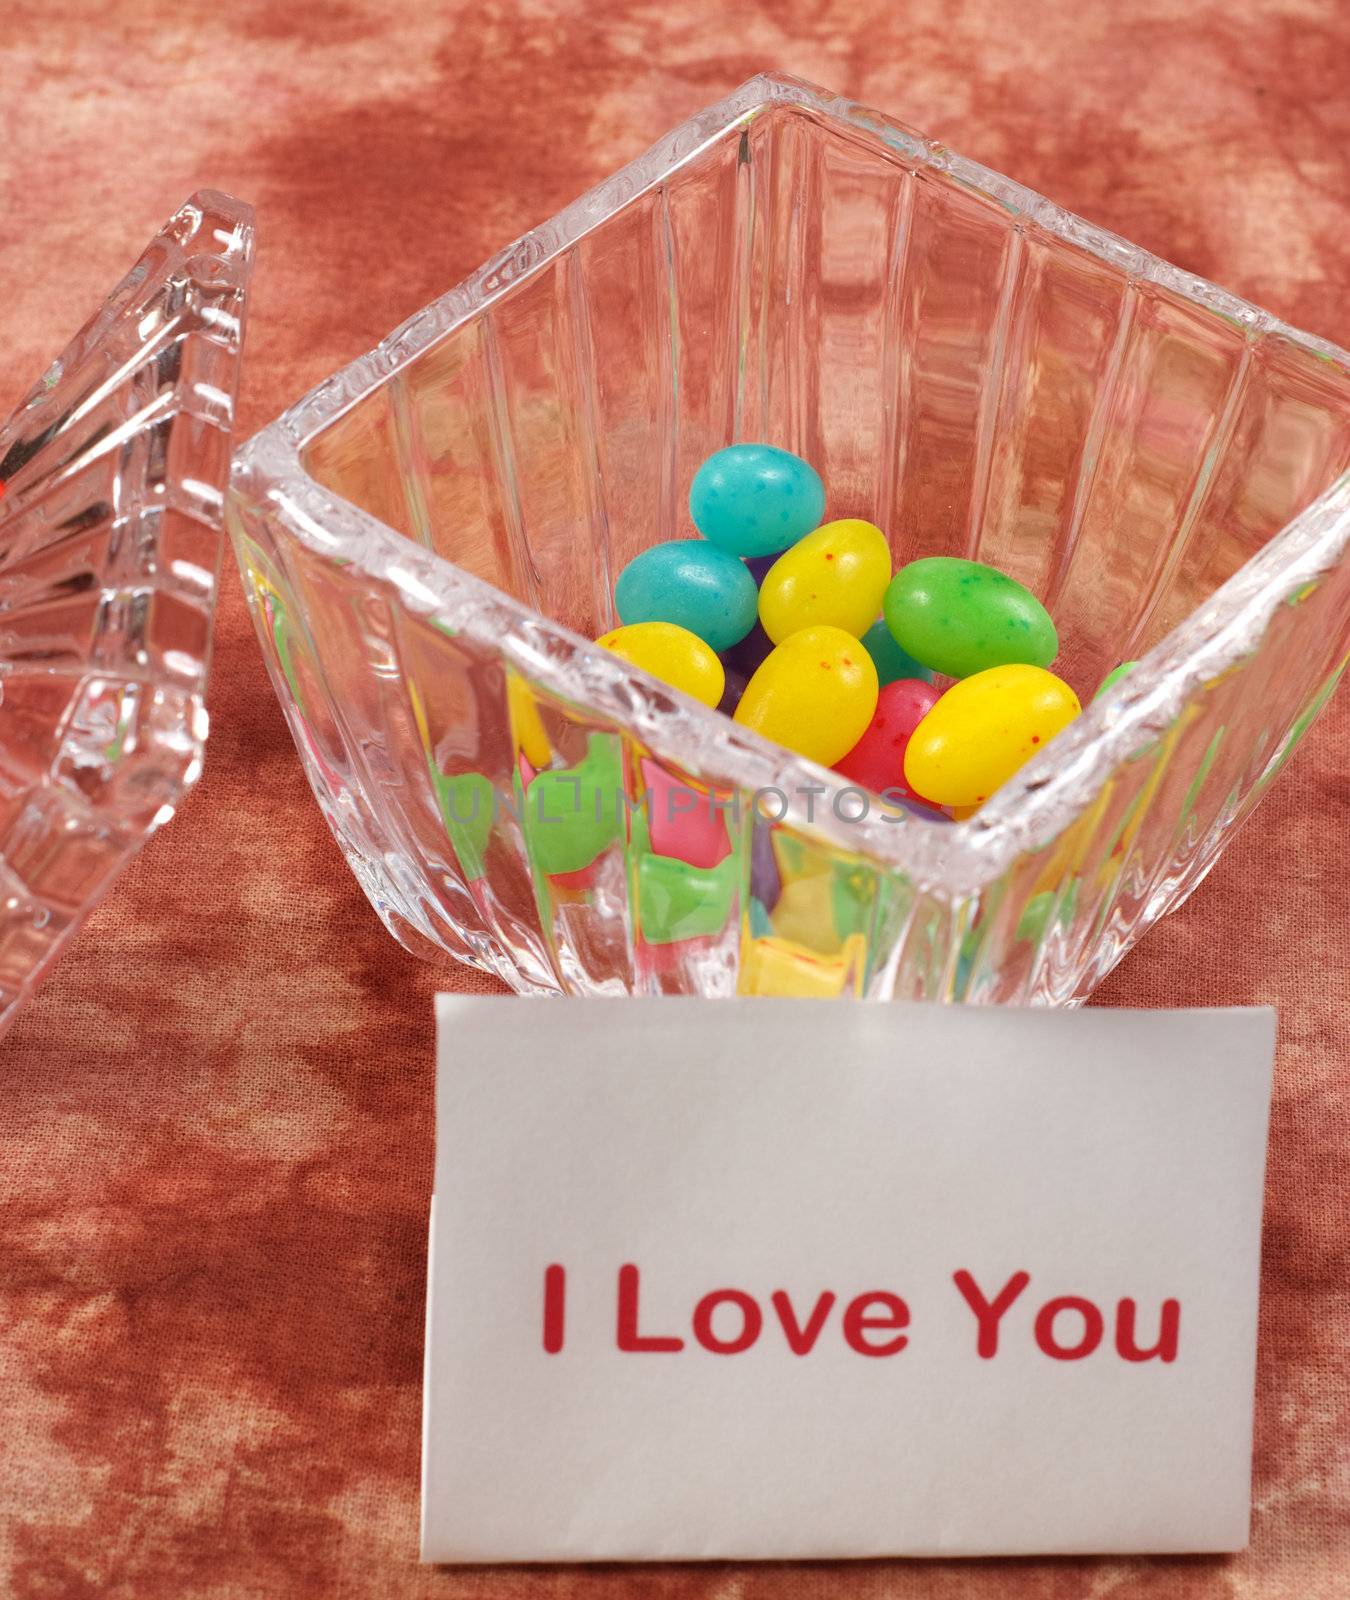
(754,499)
(692,584)
(892,662)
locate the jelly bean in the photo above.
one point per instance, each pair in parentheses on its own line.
(734,687)
(570,816)
(1031,925)
(890,660)
(1293,738)
(964,962)
(814,693)
(1113,677)
(526,728)
(741,663)
(684,822)
(960,617)
(574,886)
(692,584)
(758,919)
(754,499)
(1036,914)
(666,968)
(793,859)
(773,966)
(983,729)
(749,652)
(918,808)
(671,653)
(468,806)
(853,893)
(805,915)
(877,761)
(678,901)
(835,576)
(766,882)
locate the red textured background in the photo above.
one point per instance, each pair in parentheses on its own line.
(215,1141)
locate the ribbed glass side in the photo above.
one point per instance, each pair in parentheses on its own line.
(976,377)
(112,488)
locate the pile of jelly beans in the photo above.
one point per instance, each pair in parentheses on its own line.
(799,629)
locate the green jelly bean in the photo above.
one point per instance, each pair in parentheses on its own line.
(892,663)
(960,617)
(1035,918)
(1305,721)
(677,901)
(574,814)
(1113,677)
(852,898)
(1201,773)
(467,801)
(1035,915)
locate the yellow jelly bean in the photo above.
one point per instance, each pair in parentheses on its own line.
(814,693)
(834,576)
(671,653)
(983,729)
(778,967)
(805,914)
(526,726)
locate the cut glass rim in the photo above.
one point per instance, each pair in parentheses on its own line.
(1028,812)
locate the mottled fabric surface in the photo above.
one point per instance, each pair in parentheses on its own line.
(217,1120)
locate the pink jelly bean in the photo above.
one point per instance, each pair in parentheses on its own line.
(683,822)
(877,761)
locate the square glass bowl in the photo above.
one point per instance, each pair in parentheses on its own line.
(430,538)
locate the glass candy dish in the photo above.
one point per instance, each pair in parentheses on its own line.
(429,539)
(112,494)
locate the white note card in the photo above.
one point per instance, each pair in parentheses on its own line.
(785,1278)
